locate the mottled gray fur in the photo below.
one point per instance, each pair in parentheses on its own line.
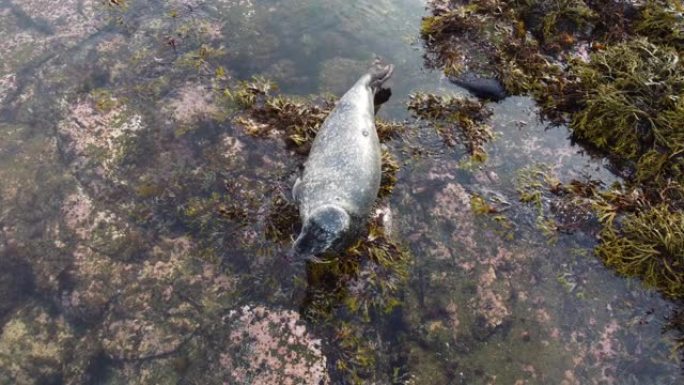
(341,177)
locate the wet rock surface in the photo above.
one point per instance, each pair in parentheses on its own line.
(142,223)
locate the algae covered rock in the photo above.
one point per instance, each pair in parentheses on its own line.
(35,345)
(98,135)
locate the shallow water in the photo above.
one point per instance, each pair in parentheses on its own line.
(134,214)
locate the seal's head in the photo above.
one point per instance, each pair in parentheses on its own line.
(379,73)
(326,229)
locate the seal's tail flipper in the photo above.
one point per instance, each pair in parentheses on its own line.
(379,73)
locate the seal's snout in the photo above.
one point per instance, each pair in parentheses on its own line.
(325,229)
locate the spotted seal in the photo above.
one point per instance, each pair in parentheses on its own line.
(341,177)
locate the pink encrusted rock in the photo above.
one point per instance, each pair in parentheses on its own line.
(452,200)
(94,136)
(272,347)
(232,147)
(8,84)
(453,207)
(490,303)
(192,103)
(77,211)
(59,24)
(599,354)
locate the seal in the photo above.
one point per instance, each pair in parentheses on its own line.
(482,87)
(341,177)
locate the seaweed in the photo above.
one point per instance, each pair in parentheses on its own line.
(625,101)
(555,22)
(262,113)
(388,179)
(281,220)
(648,244)
(440,31)
(662,22)
(348,291)
(676,323)
(634,107)
(642,231)
(457,120)
(495,36)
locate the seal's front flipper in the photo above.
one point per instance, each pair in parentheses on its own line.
(381,96)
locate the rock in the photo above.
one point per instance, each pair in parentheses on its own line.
(16,281)
(34,347)
(268,346)
(340,73)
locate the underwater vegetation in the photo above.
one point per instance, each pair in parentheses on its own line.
(612,71)
(456,119)
(649,244)
(348,293)
(637,236)
(633,108)
(298,119)
(345,293)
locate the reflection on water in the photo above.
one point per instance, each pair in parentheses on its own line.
(134,214)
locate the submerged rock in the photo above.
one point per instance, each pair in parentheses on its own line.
(16,281)
(97,134)
(268,346)
(339,73)
(34,347)
(192,104)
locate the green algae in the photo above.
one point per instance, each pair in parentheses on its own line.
(530,183)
